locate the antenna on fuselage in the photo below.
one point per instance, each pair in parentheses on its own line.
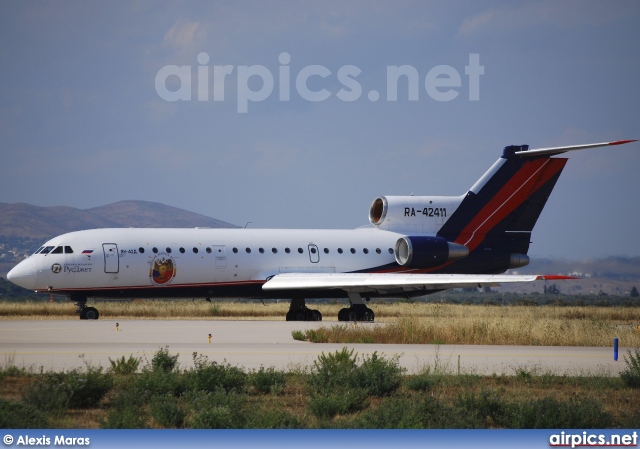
(247,225)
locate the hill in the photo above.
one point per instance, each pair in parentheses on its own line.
(26,220)
(605,276)
(24,227)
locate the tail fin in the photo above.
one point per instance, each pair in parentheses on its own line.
(496,217)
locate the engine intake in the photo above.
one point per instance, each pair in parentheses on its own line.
(427,251)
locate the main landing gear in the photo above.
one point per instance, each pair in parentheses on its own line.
(86,313)
(298,311)
(358,310)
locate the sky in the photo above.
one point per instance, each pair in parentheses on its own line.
(299,114)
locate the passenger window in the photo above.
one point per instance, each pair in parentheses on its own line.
(366,251)
(208,250)
(141,250)
(58,250)
(248,250)
(155,250)
(169,250)
(300,250)
(378,251)
(390,250)
(235,250)
(261,250)
(68,250)
(181,250)
(287,250)
(274,250)
(339,250)
(326,250)
(195,250)
(353,250)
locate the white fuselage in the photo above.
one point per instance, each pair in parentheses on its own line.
(133,259)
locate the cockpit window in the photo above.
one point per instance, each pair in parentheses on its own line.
(46,250)
(39,249)
(58,250)
(68,250)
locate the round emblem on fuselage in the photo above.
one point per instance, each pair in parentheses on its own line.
(56,268)
(163,269)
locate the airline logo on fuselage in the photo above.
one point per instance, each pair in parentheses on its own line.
(162,270)
(71,268)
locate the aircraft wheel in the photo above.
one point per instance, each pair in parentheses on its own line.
(90,313)
(300,316)
(315,316)
(369,315)
(352,315)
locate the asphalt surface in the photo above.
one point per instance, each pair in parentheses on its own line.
(66,344)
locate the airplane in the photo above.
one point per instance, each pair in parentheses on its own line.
(415,245)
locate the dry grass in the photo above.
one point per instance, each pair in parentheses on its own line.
(146,309)
(491,325)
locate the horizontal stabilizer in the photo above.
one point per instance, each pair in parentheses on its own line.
(560,150)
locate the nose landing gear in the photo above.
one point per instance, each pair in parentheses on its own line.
(85,313)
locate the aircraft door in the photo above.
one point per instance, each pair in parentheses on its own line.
(111,258)
(220,253)
(314,254)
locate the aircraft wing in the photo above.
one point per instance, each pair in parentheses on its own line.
(393,282)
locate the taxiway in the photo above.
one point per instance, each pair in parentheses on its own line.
(67,344)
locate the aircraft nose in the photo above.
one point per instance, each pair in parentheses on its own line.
(24,274)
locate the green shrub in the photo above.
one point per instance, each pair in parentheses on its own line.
(339,371)
(215,310)
(631,375)
(298,335)
(166,411)
(211,376)
(20,415)
(378,376)
(159,383)
(333,371)
(214,418)
(549,413)
(486,409)
(50,393)
(217,410)
(267,380)
(56,392)
(124,366)
(12,371)
(411,413)
(328,405)
(163,361)
(88,387)
(127,409)
(273,418)
(125,418)
(421,382)
(129,395)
